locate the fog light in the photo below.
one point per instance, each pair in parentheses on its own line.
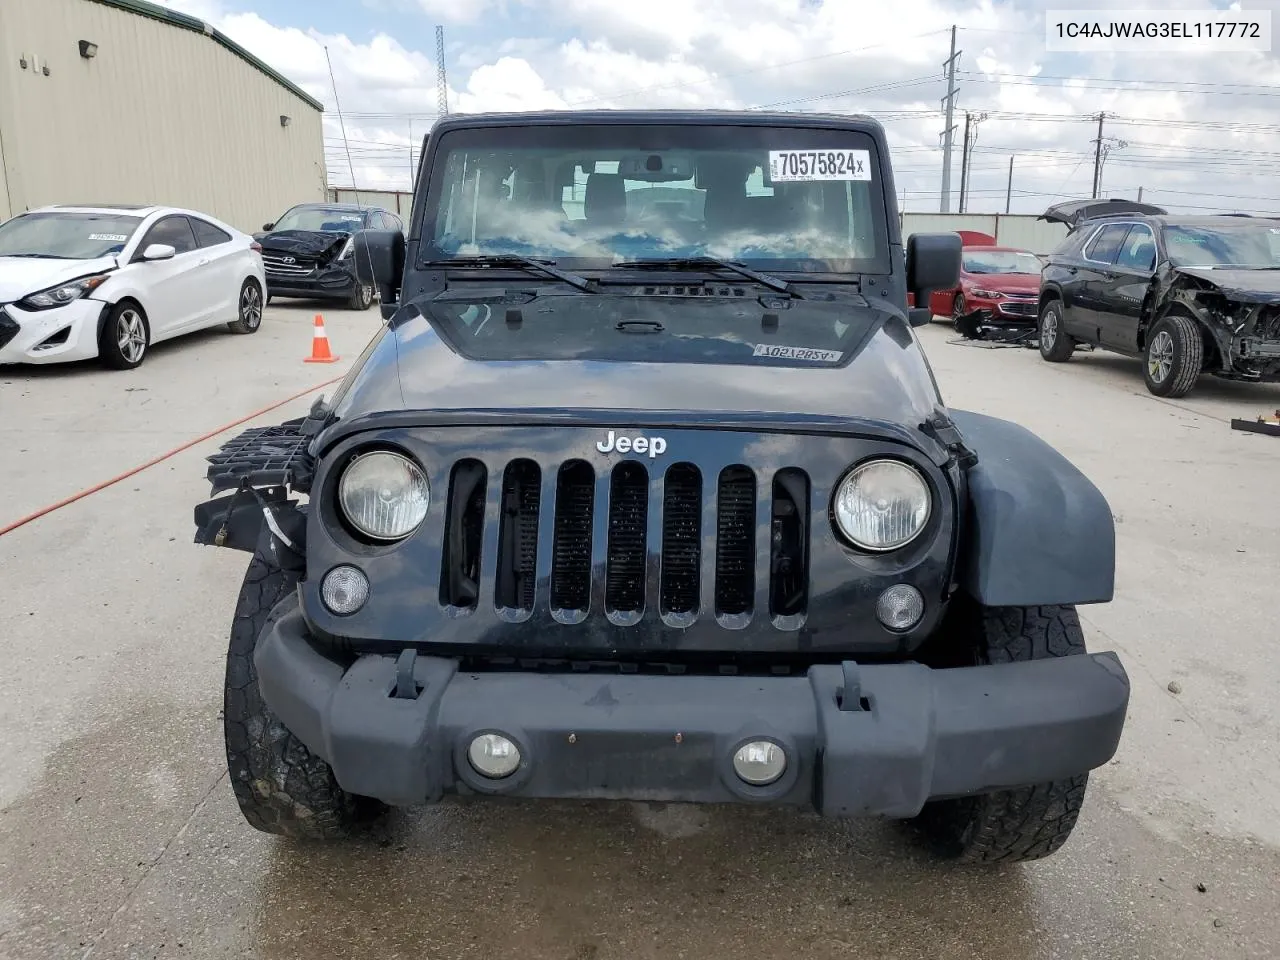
(900,607)
(344,590)
(493,755)
(760,762)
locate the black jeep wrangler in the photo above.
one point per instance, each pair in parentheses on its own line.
(645,490)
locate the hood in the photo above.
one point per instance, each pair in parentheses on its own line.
(1247,286)
(849,359)
(1073,212)
(309,243)
(1005,282)
(22,276)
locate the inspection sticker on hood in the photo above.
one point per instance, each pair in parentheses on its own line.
(779,352)
(117,237)
(789,166)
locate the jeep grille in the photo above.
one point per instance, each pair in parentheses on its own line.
(602,529)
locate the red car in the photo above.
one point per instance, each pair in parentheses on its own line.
(1004,281)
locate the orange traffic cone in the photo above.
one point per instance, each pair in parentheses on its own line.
(320,352)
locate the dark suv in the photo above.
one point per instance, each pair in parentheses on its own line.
(308,251)
(646,491)
(1188,295)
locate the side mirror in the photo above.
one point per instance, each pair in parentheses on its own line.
(159,251)
(379,260)
(268,226)
(933,263)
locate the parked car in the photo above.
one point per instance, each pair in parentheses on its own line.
(307,251)
(104,281)
(1004,281)
(1189,295)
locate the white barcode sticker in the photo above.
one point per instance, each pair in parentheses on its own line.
(812,354)
(805,165)
(117,237)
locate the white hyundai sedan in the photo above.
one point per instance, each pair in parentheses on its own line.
(109,281)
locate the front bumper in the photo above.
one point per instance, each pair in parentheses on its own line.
(332,281)
(58,335)
(861,740)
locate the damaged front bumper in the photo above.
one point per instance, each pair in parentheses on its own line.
(859,740)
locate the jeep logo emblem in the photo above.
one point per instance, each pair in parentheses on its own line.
(650,445)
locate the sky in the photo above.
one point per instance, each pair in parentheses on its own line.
(1196,132)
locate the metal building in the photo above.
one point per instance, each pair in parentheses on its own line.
(123,101)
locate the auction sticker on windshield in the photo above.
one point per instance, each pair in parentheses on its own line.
(779,352)
(806,165)
(117,237)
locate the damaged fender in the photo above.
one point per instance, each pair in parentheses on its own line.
(1039,531)
(1236,309)
(254,519)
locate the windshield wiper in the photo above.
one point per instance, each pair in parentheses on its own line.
(547,267)
(36,256)
(709,263)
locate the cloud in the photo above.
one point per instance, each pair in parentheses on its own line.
(1194,129)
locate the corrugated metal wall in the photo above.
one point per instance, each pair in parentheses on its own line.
(397,201)
(159,115)
(1009,229)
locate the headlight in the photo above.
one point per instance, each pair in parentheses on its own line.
(384,495)
(985,294)
(882,505)
(57,296)
(347,247)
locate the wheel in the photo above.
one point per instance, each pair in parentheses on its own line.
(362,298)
(1056,345)
(1173,357)
(281,786)
(125,337)
(249,311)
(957,311)
(1026,823)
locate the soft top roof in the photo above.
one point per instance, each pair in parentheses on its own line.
(755,118)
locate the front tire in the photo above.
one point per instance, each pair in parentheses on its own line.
(125,337)
(280,785)
(1056,345)
(1024,823)
(957,311)
(362,298)
(1173,356)
(248,308)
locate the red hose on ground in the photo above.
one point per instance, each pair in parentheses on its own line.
(164,456)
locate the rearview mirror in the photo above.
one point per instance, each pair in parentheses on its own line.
(933,263)
(379,260)
(268,226)
(159,251)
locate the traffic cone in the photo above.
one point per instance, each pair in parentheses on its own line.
(320,352)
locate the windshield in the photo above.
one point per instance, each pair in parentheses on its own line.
(1001,261)
(774,198)
(1232,245)
(67,236)
(327,219)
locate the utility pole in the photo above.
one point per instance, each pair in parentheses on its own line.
(412,176)
(1008,191)
(948,132)
(964,162)
(1097,156)
(1139,194)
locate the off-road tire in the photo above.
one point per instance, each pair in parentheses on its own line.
(1025,823)
(1187,359)
(281,786)
(249,306)
(361,298)
(1059,346)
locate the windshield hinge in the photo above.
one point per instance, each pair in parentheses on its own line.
(941,428)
